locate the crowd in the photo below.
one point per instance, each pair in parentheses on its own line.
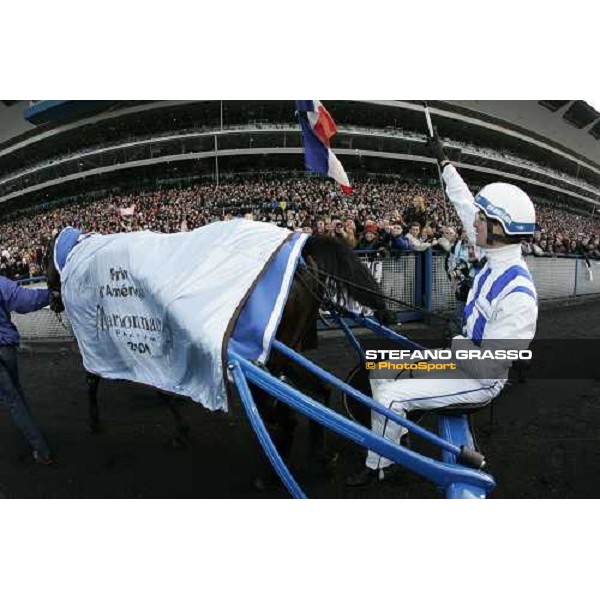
(381,214)
(9,182)
(505,156)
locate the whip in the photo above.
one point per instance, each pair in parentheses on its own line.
(430,129)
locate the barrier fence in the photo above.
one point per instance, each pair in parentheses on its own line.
(42,325)
(420,278)
(417,279)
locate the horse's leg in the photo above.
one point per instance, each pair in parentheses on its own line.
(286,424)
(280,423)
(313,386)
(298,331)
(318,447)
(93,382)
(182,428)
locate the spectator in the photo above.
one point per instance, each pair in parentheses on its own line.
(385,230)
(413,238)
(398,241)
(544,249)
(369,240)
(22,300)
(458,265)
(416,212)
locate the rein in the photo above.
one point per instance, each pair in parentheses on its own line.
(60,320)
(337,278)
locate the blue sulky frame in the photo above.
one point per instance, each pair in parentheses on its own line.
(454,439)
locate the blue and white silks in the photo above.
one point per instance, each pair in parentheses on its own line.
(502,306)
(161,309)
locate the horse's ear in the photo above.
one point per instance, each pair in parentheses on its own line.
(48,259)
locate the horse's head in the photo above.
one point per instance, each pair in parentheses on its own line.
(347,277)
(53,278)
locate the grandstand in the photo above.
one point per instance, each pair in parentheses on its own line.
(551,149)
(73,151)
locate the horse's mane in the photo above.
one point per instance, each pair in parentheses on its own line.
(340,266)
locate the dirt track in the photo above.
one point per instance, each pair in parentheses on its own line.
(544,441)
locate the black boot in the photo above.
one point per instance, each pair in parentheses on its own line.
(368,476)
(364,477)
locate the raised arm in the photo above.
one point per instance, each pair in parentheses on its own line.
(461,198)
(457,190)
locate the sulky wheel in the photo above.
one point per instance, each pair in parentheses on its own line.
(358,378)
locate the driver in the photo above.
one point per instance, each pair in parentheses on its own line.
(501,305)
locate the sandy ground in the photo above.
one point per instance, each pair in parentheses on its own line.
(543,441)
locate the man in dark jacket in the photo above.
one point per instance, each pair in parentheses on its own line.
(14,298)
(398,241)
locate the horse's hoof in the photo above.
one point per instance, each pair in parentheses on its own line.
(326,459)
(265,483)
(331,460)
(259,484)
(178,443)
(324,465)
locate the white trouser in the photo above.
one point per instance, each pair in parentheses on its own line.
(421,393)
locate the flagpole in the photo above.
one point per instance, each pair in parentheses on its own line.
(216,160)
(439,169)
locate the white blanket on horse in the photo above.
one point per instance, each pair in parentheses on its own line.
(158,309)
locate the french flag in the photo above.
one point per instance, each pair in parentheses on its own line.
(318,128)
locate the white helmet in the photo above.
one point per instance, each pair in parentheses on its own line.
(508,205)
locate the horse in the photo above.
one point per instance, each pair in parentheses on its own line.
(329,270)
